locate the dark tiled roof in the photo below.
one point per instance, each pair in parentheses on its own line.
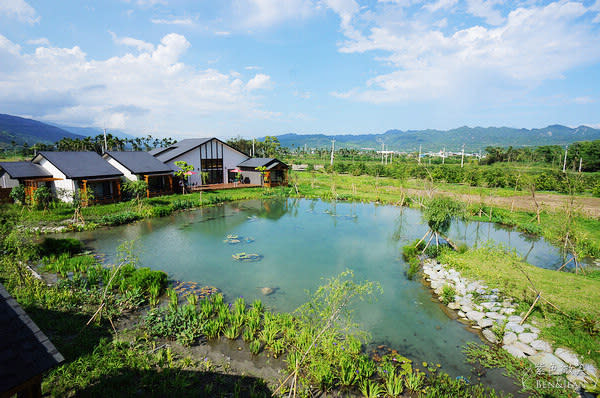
(139,162)
(25,351)
(258,162)
(19,170)
(156,151)
(80,164)
(180,148)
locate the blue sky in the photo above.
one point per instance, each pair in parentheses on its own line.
(262,67)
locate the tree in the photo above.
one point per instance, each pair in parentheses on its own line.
(42,197)
(185,170)
(438,212)
(136,189)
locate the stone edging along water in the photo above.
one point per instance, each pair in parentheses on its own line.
(491,309)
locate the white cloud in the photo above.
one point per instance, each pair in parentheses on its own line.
(303,94)
(173,21)
(131,42)
(266,13)
(222,33)
(253,67)
(147,3)
(440,5)
(152,89)
(532,45)
(20,10)
(583,100)
(42,41)
(486,10)
(259,81)
(596,8)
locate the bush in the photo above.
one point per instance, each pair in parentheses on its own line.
(17,194)
(52,246)
(119,218)
(448,294)
(42,197)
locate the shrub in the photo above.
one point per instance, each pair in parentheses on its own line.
(448,294)
(119,218)
(52,246)
(17,194)
(42,197)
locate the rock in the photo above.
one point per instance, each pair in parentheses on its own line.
(514,327)
(454,306)
(514,351)
(488,305)
(525,348)
(568,356)
(466,308)
(528,338)
(494,315)
(533,329)
(507,311)
(549,363)
(506,304)
(509,338)
(485,323)
(576,376)
(591,370)
(515,319)
(461,314)
(490,336)
(475,315)
(267,291)
(541,345)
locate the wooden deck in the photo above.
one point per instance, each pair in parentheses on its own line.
(214,187)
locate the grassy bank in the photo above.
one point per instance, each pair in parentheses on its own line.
(569,311)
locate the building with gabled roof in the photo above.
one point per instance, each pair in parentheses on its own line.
(274,172)
(142,166)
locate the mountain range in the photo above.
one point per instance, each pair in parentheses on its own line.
(21,130)
(473,138)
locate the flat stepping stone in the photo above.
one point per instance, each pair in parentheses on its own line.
(515,319)
(549,363)
(507,311)
(490,336)
(528,338)
(525,348)
(494,315)
(514,351)
(514,327)
(509,338)
(485,323)
(453,306)
(475,315)
(591,370)
(568,356)
(541,345)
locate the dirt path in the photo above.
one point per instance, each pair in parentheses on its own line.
(586,205)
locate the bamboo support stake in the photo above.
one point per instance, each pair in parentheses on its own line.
(531,308)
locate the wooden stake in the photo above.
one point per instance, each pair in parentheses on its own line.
(531,308)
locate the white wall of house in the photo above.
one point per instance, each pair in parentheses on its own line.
(192,158)
(6,181)
(122,169)
(64,188)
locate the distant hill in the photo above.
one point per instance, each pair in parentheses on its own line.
(474,138)
(93,131)
(21,130)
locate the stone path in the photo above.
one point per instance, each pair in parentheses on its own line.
(486,310)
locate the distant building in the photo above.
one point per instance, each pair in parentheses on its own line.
(275,171)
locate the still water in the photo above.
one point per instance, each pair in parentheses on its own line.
(303,241)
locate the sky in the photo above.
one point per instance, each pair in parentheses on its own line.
(252,68)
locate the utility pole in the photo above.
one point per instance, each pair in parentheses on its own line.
(419,154)
(332,150)
(565,162)
(252,155)
(462,157)
(105,145)
(382,150)
(580,161)
(444,155)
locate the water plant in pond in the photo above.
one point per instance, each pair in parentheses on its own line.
(414,380)
(370,389)
(448,294)
(254,347)
(231,332)
(211,329)
(393,384)
(257,305)
(347,372)
(248,334)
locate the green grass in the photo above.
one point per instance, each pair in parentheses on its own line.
(571,320)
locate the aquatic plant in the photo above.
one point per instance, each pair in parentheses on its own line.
(393,384)
(347,372)
(231,332)
(248,335)
(448,294)
(258,305)
(254,347)
(370,389)
(414,380)
(211,329)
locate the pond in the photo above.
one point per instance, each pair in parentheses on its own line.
(301,242)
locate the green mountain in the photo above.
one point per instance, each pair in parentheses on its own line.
(20,131)
(474,138)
